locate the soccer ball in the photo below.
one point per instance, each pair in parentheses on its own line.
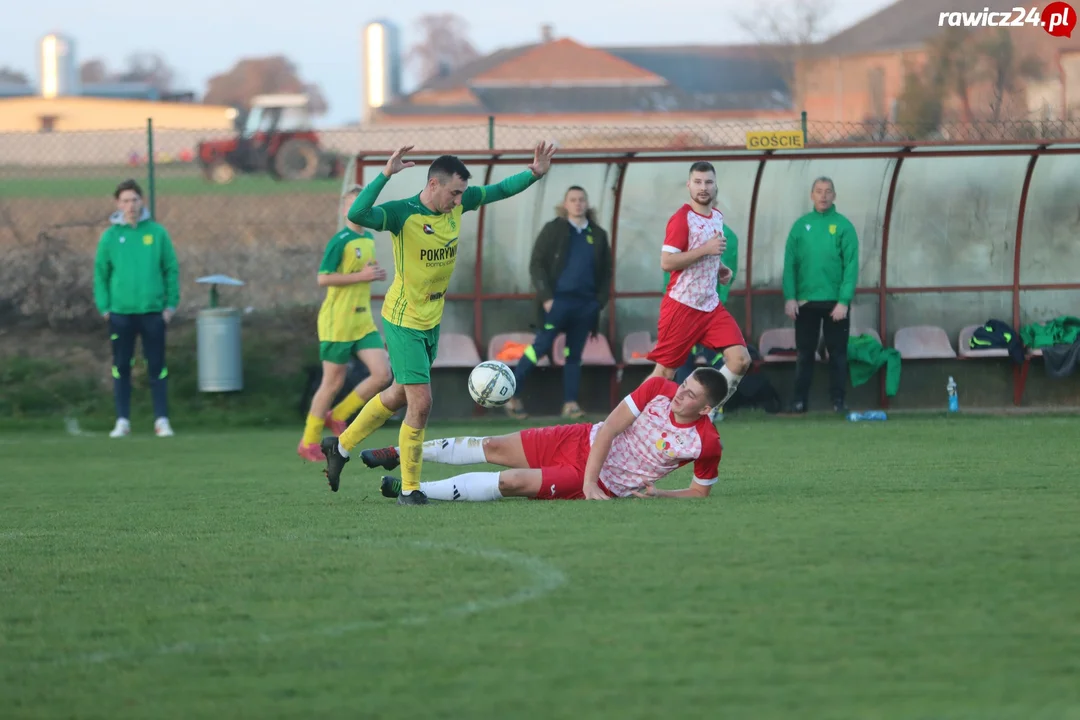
(492,384)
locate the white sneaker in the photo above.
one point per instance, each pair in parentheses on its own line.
(162,427)
(121,429)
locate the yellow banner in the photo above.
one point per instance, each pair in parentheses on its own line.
(774,139)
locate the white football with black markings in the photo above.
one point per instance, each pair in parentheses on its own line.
(492,384)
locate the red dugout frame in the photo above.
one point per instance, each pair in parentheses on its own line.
(898,151)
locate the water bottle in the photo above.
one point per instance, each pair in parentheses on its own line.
(868,415)
(954,400)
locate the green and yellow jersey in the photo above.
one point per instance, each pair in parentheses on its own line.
(425,245)
(345,314)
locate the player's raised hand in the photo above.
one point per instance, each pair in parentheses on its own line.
(542,158)
(395,164)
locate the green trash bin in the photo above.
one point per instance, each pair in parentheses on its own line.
(217,335)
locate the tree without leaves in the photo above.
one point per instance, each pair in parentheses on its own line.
(443,48)
(258,76)
(144,67)
(13,76)
(1005,71)
(787,30)
(149,68)
(953,67)
(919,107)
(959,60)
(93,71)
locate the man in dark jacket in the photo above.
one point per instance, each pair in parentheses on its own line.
(571,272)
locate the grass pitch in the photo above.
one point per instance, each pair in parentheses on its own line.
(919,568)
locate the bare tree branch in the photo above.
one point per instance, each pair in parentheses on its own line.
(444,46)
(787,30)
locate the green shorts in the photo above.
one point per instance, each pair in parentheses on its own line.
(412,353)
(340,353)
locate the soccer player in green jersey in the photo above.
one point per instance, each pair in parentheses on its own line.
(425,229)
(346,328)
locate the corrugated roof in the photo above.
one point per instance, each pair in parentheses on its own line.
(617,100)
(705,70)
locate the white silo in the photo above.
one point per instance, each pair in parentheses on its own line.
(380,53)
(59,72)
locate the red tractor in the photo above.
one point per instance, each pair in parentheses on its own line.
(275,136)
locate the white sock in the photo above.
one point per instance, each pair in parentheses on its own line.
(455,451)
(342,450)
(470,487)
(732,383)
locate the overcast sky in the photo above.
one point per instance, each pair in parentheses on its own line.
(203,37)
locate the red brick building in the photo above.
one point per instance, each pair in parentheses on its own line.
(858,74)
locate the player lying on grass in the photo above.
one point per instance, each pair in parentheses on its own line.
(657,429)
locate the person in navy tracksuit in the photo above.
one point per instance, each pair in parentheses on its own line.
(571,272)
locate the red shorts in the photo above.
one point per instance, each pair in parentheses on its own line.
(560,452)
(682,327)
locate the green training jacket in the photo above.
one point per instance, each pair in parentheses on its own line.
(821,260)
(135,271)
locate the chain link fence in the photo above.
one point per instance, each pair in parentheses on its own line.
(56,197)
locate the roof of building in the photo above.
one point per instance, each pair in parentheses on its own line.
(904,24)
(564,76)
(10,90)
(711,70)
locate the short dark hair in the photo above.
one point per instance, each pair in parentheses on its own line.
(128,184)
(714,382)
(448,166)
(572,188)
(702,166)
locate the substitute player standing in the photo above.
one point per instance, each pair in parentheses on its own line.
(691,312)
(425,229)
(655,430)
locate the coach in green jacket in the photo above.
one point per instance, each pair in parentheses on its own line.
(136,290)
(821,268)
(571,272)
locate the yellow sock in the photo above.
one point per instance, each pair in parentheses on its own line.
(411,442)
(313,430)
(371,418)
(349,405)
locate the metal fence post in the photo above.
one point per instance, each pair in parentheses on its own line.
(491,132)
(150,166)
(804,128)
